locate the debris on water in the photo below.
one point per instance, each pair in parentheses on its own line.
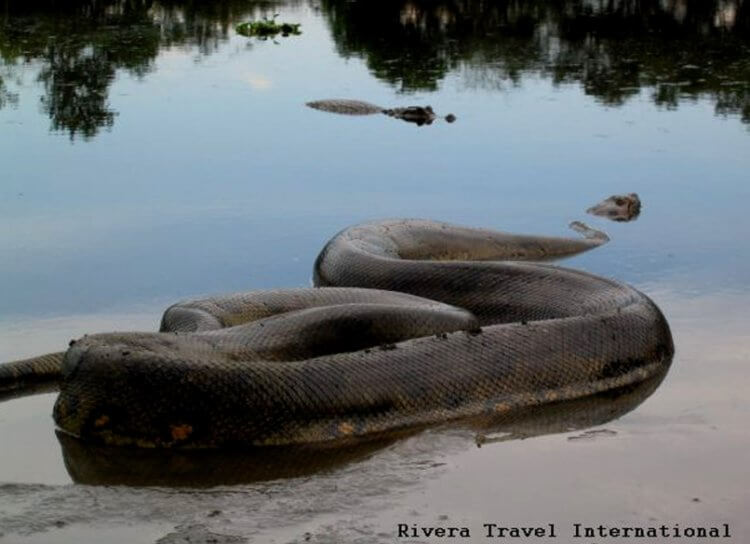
(618,207)
(266,28)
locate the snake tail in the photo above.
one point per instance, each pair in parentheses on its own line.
(30,376)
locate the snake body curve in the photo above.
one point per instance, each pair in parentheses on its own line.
(412,322)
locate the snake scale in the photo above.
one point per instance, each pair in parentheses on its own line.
(411,323)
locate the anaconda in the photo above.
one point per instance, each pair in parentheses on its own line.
(420,115)
(412,322)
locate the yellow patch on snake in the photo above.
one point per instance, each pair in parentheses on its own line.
(551,395)
(501,407)
(181,432)
(346,428)
(101,421)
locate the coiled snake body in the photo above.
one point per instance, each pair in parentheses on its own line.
(414,322)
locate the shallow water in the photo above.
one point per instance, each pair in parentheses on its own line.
(149,153)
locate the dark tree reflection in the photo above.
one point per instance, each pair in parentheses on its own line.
(674,49)
(7,98)
(81,45)
(76,86)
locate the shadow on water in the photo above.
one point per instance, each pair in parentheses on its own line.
(106,465)
(677,49)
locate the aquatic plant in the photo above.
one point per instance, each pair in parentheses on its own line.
(266,28)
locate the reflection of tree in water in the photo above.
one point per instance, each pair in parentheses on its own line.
(413,45)
(80,45)
(679,49)
(6,97)
(202,24)
(76,85)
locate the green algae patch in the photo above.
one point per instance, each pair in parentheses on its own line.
(267,28)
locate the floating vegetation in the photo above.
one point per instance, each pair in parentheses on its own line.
(266,28)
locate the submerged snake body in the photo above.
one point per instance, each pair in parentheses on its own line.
(311,365)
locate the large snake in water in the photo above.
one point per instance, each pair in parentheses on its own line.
(412,322)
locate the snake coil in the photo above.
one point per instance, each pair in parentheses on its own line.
(412,322)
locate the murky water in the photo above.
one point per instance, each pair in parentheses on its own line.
(150,153)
